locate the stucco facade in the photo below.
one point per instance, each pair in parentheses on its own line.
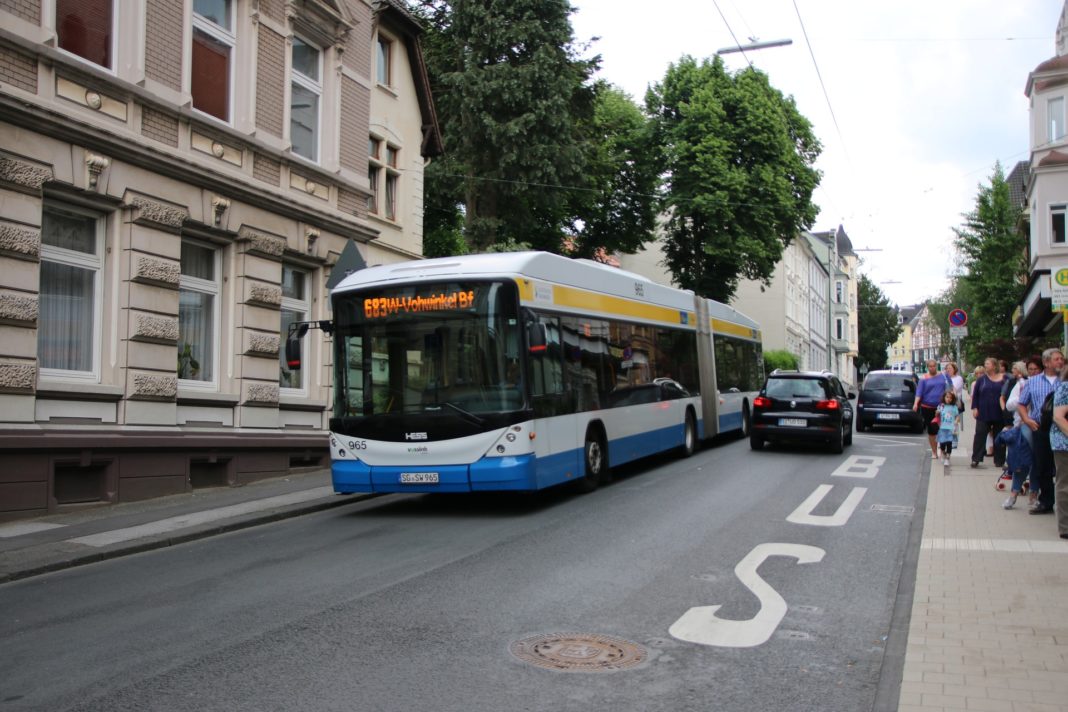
(161,224)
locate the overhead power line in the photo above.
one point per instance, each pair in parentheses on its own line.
(819,75)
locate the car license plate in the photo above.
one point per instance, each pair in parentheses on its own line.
(888,416)
(419,478)
(793,422)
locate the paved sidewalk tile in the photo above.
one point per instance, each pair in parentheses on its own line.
(989,625)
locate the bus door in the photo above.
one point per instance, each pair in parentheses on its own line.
(558,455)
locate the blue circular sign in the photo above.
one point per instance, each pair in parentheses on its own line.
(958,317)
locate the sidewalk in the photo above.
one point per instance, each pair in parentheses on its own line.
(989,625)
(49,543)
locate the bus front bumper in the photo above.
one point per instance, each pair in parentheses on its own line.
(486,475)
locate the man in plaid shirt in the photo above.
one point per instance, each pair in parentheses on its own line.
(1034,395)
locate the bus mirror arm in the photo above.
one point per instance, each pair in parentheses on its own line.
(297,330)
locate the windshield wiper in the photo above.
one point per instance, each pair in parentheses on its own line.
(467,414)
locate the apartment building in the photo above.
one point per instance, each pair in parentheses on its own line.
(1046,207)
(177,179)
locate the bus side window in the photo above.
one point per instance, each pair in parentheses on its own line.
(546,363)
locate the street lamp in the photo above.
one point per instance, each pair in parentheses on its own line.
(754,45)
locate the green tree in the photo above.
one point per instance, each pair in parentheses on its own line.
(993,260)
(877,324)
(739,158)
(616,210)
(512,97)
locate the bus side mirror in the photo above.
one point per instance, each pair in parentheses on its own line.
(536,338)
(296,333)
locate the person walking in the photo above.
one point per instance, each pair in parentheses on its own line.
(948,421)
(1031,401)
(1058,440)
(928,397)
(953,371)
(986,409)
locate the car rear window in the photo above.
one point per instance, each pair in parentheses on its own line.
(889,382)
(795,388)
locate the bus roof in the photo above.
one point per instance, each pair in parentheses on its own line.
(578,273)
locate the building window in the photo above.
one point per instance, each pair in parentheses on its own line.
(384,61)
(85,28)
(68,323)
(839,292)
(383,170)
(305,91)
(1057,234)
(392,178)
(198,313)
(213,49)
(839,329)
(295,307)
(1055,114)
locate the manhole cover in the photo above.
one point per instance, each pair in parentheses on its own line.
(579,652)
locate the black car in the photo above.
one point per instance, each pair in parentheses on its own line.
(802,405)
(886,398)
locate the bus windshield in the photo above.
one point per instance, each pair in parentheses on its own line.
(444,347)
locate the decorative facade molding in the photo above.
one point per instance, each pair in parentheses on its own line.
(158,215)
(262,242)
(152,386)
(20,241)
(155,328)
(18,308)
(17,377)
(157,271)
(218,207)
(262,393)
(265,295)
(23,174)
(95,165)
(263,345)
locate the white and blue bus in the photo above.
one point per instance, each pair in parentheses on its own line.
(520,371)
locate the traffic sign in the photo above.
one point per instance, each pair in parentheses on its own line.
(1059,287)
(958,332)
(959,317)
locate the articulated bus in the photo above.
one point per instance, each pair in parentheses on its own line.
(520,371)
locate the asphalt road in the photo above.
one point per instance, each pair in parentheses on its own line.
(413,602)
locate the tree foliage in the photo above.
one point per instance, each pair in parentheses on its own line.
(878,326)
(535,153)
(994,262)
(739,163)
(781,359)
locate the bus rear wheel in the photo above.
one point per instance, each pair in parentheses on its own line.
(595,459)
(689,436)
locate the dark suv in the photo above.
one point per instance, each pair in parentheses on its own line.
(802,405)
(886,398)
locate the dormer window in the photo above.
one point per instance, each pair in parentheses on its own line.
(1055,116)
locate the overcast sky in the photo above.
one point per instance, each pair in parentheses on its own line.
(926,95)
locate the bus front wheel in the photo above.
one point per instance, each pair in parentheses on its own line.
(595,461)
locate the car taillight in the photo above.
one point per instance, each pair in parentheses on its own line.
(827,405)
(761,402)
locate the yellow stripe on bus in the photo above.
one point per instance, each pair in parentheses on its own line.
(581,299)
(726,327)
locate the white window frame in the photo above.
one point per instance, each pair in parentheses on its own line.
(1055,119)
(228,38)
(303,306)
(1056,209)
(388,43)
(113,50)
(73,258)
(316,87)
(839,329)
(214,288)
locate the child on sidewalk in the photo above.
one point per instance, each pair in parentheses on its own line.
(1018,459)
(949,421)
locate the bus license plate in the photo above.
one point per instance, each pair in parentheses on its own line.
(793,422)
(419,478)
(888,416)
